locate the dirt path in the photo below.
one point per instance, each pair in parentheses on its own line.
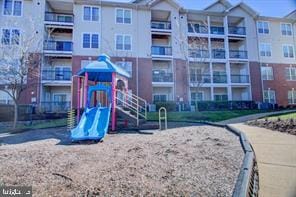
(196,161)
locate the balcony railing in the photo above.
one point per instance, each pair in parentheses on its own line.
(218,53)
(219,78)
(197,78)
(58,17)
(198,53)
(162,77)
(217,30)
(162,25)
(61,107)
(237,30)
(65,46)
(161,50)
(56,75)
(239,78)
(196,28)
(237,54)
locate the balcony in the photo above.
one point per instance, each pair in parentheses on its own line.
(196,28)
(161,50)
(239,78)
(53,18)
(56,107)
(237,30)
(157,76)
(198,53)
(218,53)
(56,75)
(64,47)
(238,54)
(199,79)
(161,25)
(217,30)
(219,78)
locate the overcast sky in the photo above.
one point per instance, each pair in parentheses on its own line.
(277,8)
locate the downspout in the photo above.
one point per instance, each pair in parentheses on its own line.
(137,55)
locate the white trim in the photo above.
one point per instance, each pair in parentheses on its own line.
(263,27)
(12,10)
(123,36)
(10,36)
(90,41)
(265,44)
(282,23)
(91,6)
(123,9)
(288,45)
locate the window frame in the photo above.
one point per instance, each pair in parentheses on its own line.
(10,36)
(293,94)
(199,92)
(123,42)
(123,9)
(290,76)
(160,94)
(12,9)
(266,73)
(264,44)
(283,53)
(268,27)
(90,40)
(91,13)
(268,95)
(119,63)
(286,29)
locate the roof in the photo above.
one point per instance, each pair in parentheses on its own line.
(102,69)
(245,7)
(225,3)
(291,15)
(154,2)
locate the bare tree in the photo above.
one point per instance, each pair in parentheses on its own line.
(19,56)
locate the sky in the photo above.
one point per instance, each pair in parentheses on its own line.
(275,8)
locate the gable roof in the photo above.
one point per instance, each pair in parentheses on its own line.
(246,8)
(154,2)
(225,3)
(291,15)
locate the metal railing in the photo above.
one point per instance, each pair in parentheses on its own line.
(49,106)
(58,17)
(162,77)
(237,30)
(136,105)
(163,25)
(198,53)
(219,78)
(56,75)
(217,30)
(218,53)
(161,50)
(238,54)
(196,28)
(197,78)
(58,46)
(239,78)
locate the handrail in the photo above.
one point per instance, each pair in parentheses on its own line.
(160,118)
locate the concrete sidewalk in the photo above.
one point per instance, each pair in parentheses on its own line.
(253,117)
(276,156)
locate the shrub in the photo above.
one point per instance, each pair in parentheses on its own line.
(169,105)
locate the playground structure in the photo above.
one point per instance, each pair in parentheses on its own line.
(102,91)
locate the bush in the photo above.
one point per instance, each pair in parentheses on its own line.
(169,105)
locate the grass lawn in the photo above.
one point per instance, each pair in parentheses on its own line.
(38,125)
(212,116)
(284,116)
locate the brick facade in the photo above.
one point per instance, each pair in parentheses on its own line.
(256,83)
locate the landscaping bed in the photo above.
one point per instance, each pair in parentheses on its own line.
(187,160)
(285,123)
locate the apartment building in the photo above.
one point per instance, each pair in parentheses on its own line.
(224,52)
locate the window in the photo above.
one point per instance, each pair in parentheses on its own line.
(263,27)
(288,51)
(269,96)
(196,96)
(291,73)
(127,66)
(90,41)
(90,13)
(123,42)
(220,97)
(123,16)
(265,49)
(12,7)
(286,29)
(266,73)
(10,36)
(292,96)
(63,73)
(59,98)
(159,98)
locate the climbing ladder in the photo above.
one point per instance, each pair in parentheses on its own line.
(131,106)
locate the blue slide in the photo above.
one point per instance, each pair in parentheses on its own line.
(93,124)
